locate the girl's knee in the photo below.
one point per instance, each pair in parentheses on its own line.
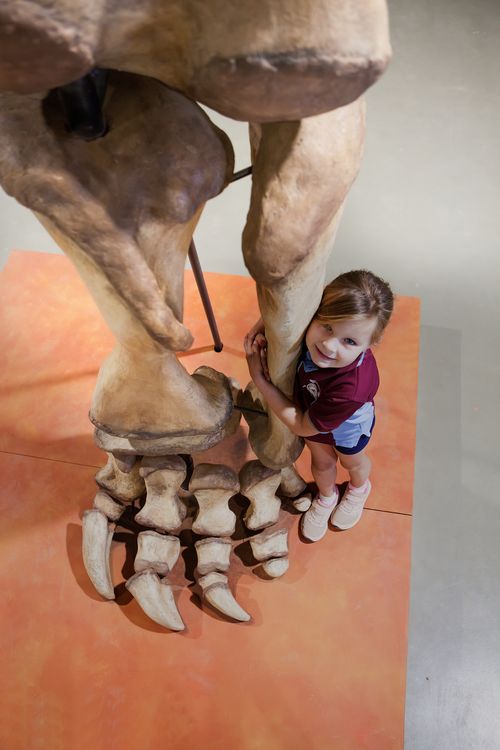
(354,462)
(323,460)
(324,464)
(323,456)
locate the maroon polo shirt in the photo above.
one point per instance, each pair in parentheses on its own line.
(333,394)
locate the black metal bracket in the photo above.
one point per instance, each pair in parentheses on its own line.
(82,101)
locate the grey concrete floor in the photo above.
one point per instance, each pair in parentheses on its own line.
(424,213)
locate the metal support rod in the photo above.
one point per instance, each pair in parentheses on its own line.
(202,288)
(200,281)
(241,173)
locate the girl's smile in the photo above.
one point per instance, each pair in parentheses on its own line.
(339,343)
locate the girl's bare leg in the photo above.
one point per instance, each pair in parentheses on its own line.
(349,510)
(323,467)
(358,466)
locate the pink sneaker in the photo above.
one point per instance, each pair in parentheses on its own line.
(349,510)
(315,520)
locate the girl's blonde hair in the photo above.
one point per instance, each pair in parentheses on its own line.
(359,295)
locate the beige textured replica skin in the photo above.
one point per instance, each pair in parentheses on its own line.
(258,484)
(213,554)
(214,485)
(96,547)
(163,508)
(111,508)
(215,590)
(156,551)
(266,61)
(122,485)
(291,484)
(272,549)
(155,597)
(277,567)
(269,545)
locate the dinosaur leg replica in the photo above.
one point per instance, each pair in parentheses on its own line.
(129,242)
(302,173)
(124,208)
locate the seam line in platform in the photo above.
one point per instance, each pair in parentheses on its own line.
(393,512)
(94,466)
(46,458)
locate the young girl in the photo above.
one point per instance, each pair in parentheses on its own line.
(336,381)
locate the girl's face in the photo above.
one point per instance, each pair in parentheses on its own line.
(339,343)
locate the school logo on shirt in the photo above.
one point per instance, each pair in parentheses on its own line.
(313,389)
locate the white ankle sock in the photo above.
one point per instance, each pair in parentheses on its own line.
(361,489)
(328,499)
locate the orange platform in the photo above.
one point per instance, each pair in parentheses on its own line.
(322,663)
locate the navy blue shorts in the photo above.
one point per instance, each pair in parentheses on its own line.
(362,443)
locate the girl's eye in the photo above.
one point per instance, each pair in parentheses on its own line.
(350,342)
(327,327)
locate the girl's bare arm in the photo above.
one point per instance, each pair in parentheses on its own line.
(296,420)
